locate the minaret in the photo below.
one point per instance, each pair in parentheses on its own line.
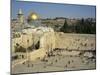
(20,16)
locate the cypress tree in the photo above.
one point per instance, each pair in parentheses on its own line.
(64,27)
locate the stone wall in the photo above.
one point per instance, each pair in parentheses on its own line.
(72,41)
(48,41)
(37,54)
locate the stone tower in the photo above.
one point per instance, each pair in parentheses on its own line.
(20,16)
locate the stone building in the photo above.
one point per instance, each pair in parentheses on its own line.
(44,37)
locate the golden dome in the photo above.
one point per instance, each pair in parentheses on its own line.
(33,16)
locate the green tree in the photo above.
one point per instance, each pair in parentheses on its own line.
(64,27)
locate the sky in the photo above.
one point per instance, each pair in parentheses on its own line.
(52,10)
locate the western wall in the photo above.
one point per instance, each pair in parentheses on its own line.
(50,40)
